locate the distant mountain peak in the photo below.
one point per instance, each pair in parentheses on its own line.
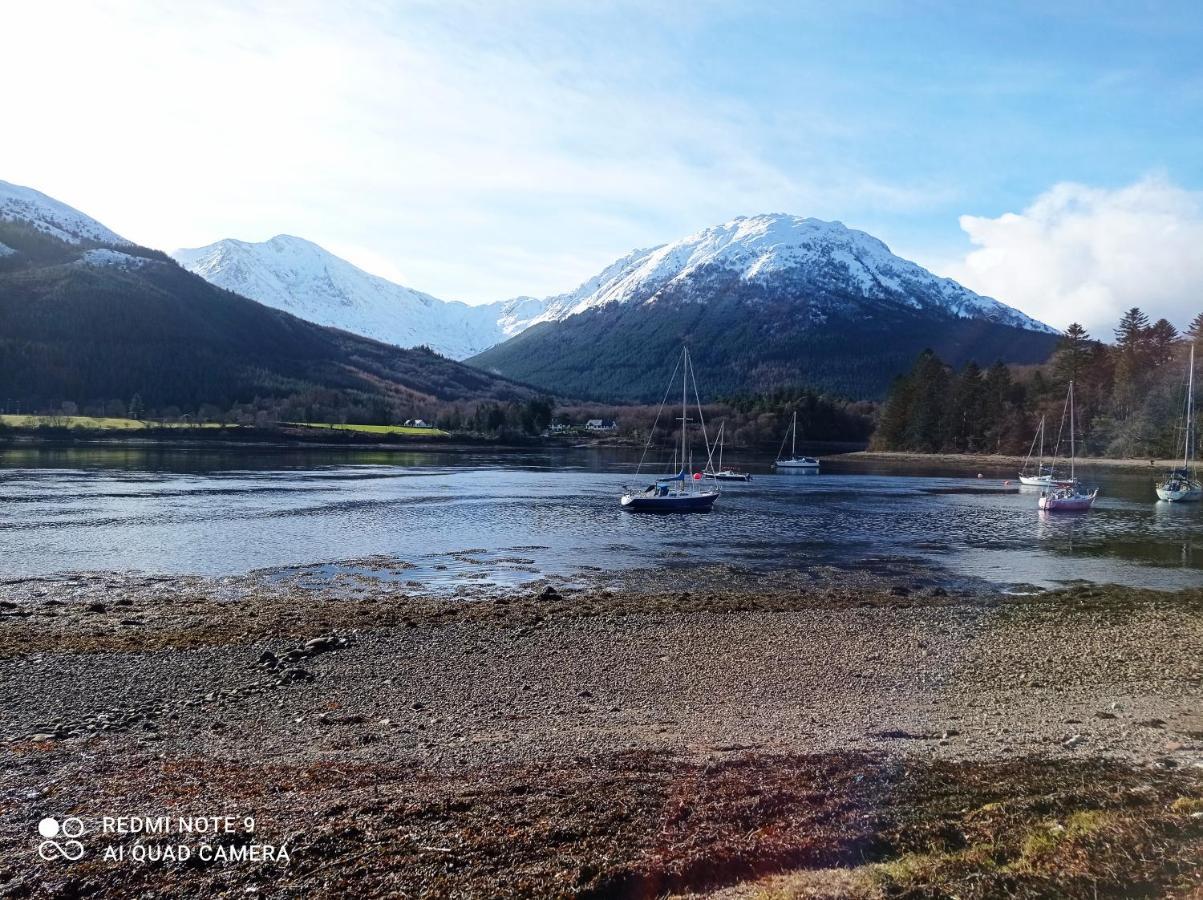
(785,253)
(52,217)
(762,301)
(301,277)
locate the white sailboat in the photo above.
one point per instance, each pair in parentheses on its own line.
(717,472)
(1043,476)
(795,461)
(1182,484)
(682,491)
(1067,496)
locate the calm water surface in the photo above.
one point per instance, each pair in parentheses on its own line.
(504,518)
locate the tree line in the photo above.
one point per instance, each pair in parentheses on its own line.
(1129,396)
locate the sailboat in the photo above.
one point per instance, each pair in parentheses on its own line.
(794,461)
(1182,484)
(718,473)
(1043,476)
(1067,496)
(682,491)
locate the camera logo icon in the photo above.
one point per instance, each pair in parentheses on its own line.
(69,849)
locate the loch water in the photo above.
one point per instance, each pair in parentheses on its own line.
(491,517)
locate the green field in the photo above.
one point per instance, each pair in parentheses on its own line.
(95,422)
(104,423)
(373,429)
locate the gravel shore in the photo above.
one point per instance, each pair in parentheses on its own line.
(123,695)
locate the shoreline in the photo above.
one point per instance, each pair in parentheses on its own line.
(602,742)
(1155,467)
(276,444)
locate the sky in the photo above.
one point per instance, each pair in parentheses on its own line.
(483,149)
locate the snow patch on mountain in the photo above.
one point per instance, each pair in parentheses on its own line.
(102,257)
(52,217)
(780,251)
(517,315)
(301,278)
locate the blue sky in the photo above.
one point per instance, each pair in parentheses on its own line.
(479,150)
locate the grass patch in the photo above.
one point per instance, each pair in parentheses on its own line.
(1186,806)
(1046,829)
(97,423)
(408,430)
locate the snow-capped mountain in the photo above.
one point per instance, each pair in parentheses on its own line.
(52,217)
(778,253)
(298,276)
(762,302)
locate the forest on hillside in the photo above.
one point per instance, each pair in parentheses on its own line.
(129,333)
(1130,397)
(751,420)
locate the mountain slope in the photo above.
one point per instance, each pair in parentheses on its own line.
(52,217)
(762,301)
(102,323)
(299,277)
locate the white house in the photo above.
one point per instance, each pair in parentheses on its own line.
(601,425)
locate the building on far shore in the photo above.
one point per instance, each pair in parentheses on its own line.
(601,425)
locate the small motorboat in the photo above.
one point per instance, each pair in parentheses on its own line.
(794,461)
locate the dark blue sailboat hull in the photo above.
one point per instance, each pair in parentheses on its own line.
(674,503)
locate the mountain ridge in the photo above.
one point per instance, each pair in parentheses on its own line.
(301,277)
(776,298)
(769,245)
(53,217)
(763,301)
(99,325)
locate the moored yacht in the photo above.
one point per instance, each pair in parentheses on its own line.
(1183,484)
(716,471)
(1067,496)
(794,461)
(681,490)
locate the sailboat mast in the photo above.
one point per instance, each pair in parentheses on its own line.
(1040,460)
(793,447)
(1190,408)
(1072,451)
(684,408)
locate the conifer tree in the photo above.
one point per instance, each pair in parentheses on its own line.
(1072,353)
(1160,339)
(1132,363)
(1133,327)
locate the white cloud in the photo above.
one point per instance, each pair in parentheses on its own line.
(474,149)
(1086,254)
